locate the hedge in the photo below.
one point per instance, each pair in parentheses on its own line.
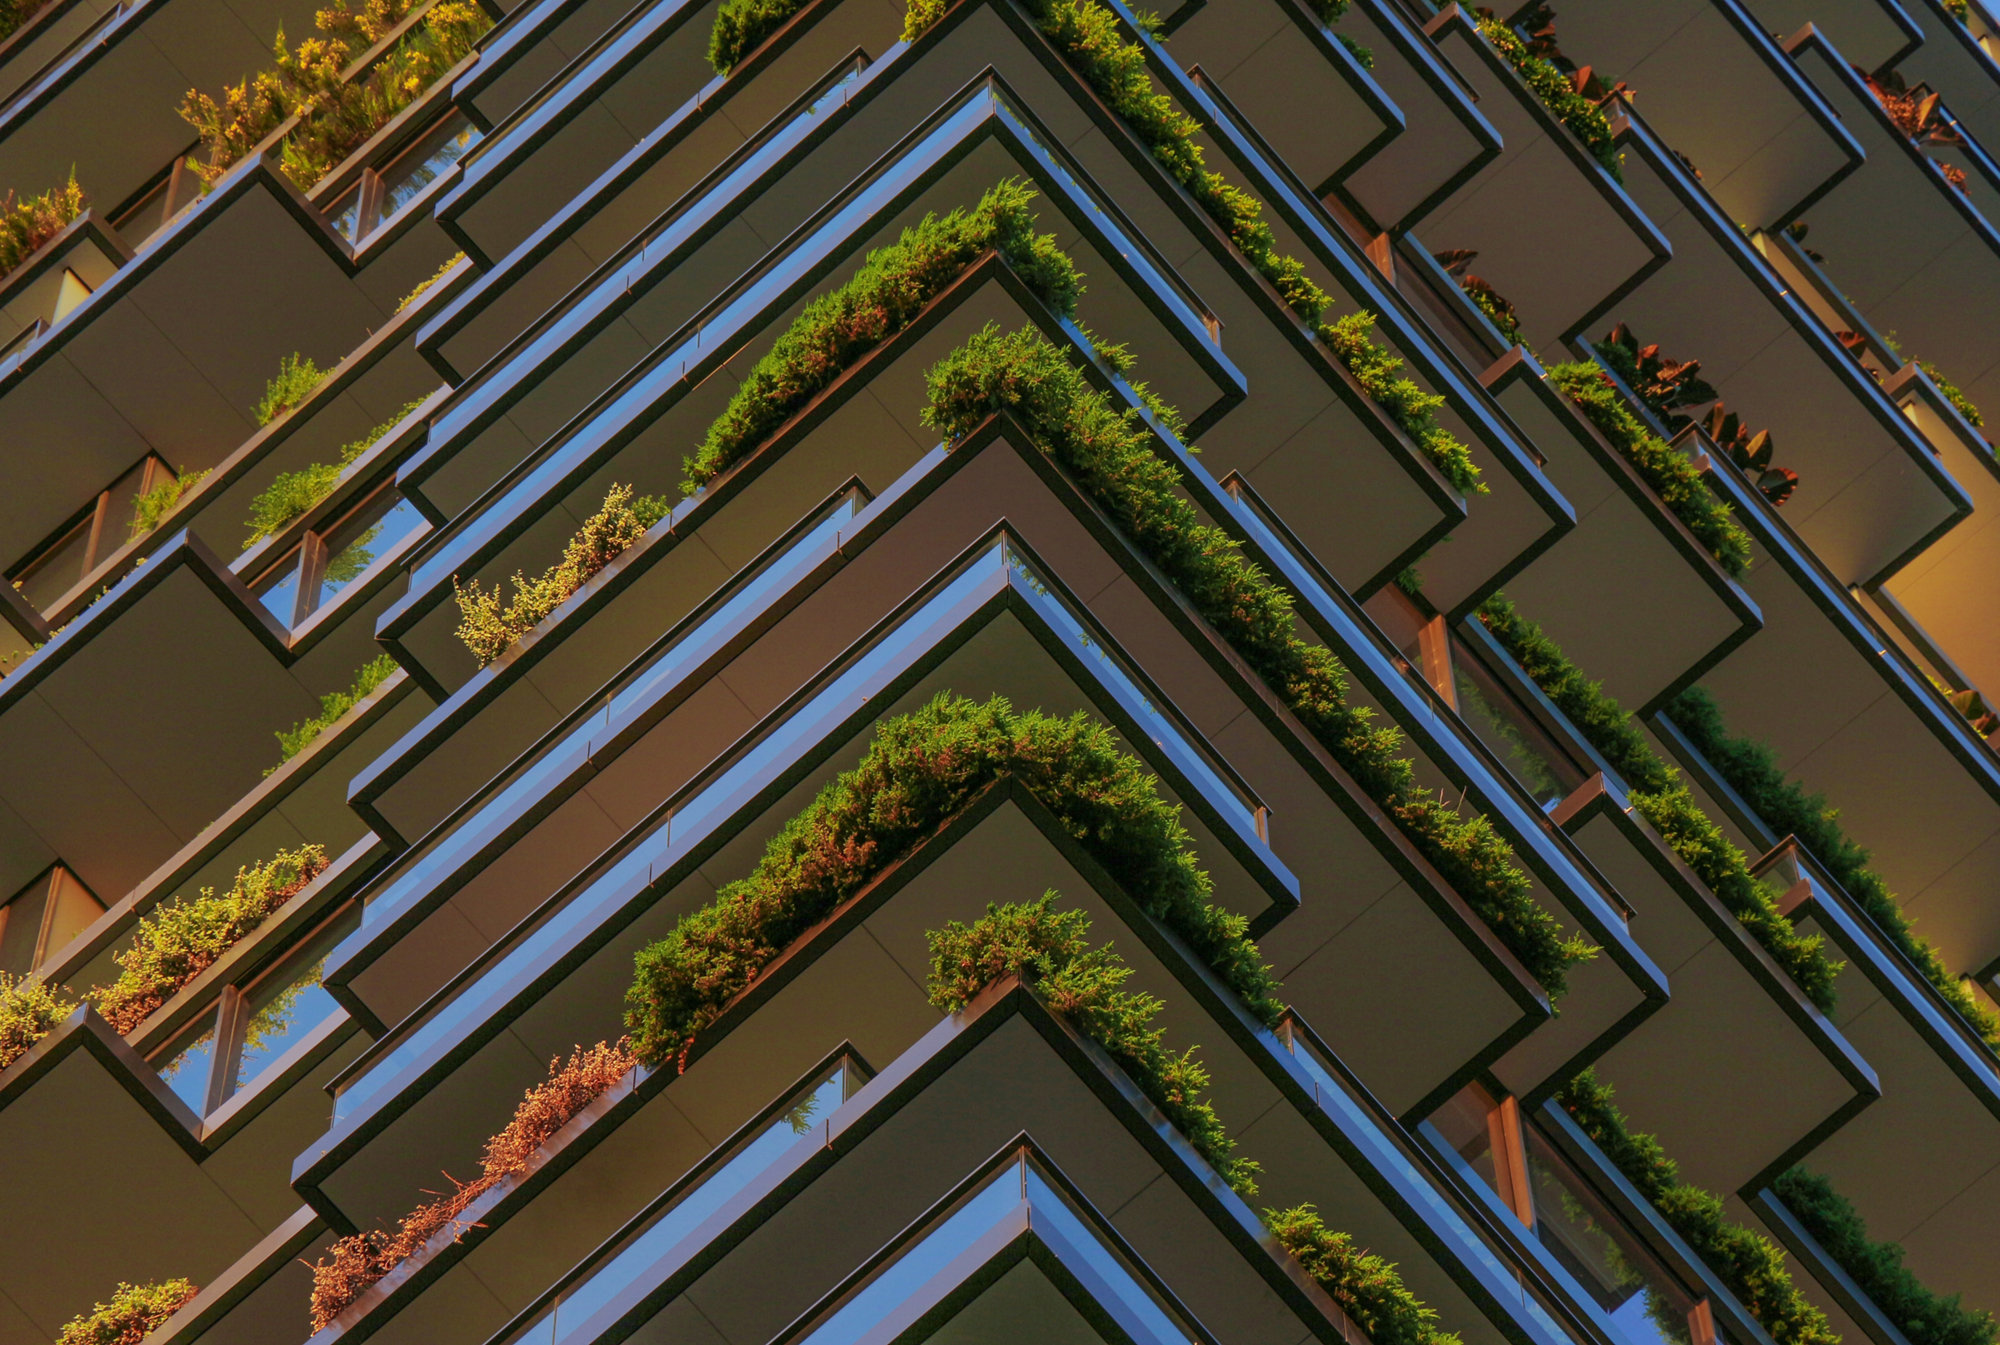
(134,1312)
(1663,798)
(1584,118)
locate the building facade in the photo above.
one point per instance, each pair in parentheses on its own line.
(749,671)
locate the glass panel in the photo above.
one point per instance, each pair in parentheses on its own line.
(354,546)
(21,927)
(1466,1126)
(278,590)
(414,171)
(644,1247)
(1590,1239)
(58,569)
(183,1065)
(1511,732)
(286,1004)
(345,214)
(74,909)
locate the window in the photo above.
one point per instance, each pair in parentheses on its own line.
(250,1026)
(43,917)
(381,194)
(60,563)
(311,574)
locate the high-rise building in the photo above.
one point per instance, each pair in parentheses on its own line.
(775,672)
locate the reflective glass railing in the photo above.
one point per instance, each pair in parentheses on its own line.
(628,1257)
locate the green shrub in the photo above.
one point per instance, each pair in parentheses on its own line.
(14,15)
(1110,455)
(154,505)
(1081,983)
(1959,401)
(183,938)
(891,287)
(1051,948)
(489,623)
(333,705)
(297,377)
(334,115)
(921,768)
(292,493)
(741,25)
(1751,768)
(29,1011)
(1367,1288)
(423,285)
(1672,477)
(1749,1264)
(1090,35)
(1585,119)
(1662,797)
(1925,1318)
(27,224)
(134,1312)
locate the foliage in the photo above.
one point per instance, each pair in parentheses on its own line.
(489,623)
(296,378)
(134,1312)
(1752,770)
(1924,1317)
(152,507)
(183,938)
(1918,115)
(1052,948)
(333,114)
(15,14)
(1558,92)
(423,285)
(1672,477)
(742,25)
(1110,455)
(1749,1264)
(921,768)
(1362,55)
(292,493)
(27,224)
(889,290)
(1483,296)
(29,1011)
(1090,35)
(1674,391)
(334,704)
(1953,394)
(1663,798)
(1367,1288)
(353,1263)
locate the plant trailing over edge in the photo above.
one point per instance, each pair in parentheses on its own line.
(134,1312)
(292,493)
(1673,478)
(353,1263)
(1953,394)
(919,770)
(1752,770)
(295,380)
(152,507)
(489,623)
(333,705)
(1751,1265)
(893,284)
(1664,799)
(27,224)
(1090,35)
(425,284)
(334,115)
(1674,391)
(1082,984)
(1110,455)
(1924,1317)
(29,1010)
(1483,296)
(1558,92)
(1052,948)
(182,939)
